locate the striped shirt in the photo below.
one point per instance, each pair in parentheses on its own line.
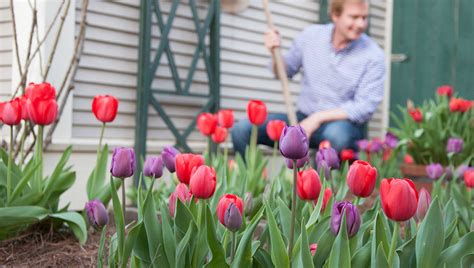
(351,78)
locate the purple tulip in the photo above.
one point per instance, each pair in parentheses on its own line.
(169,154)
(449,173)
(293,142)
(323,168)
(97,214)
(299,163)
(232,218)
(434,170)
(153,167)
(375,145)
(391,140)
(363,145)
(454,145)
(123,163)
(328,155)
(424,201)
(460,170)
(352,217)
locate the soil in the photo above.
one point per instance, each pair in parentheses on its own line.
(40,246)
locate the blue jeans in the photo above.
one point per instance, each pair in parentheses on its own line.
(342,134)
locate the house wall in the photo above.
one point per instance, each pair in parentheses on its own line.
(6,42)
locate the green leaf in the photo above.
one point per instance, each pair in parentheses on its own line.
(119,222)
(278,249)
(285,217)
(14,216)
(406,253)
(23,182)
(97,177)
(218,253)
(131,240)
(53,183)
(325,244)
(361,257)
(183,217)
(380,236)
(168,239)
(430,237)
(381,260)
(182,246)
(243,255)
(340,253)
(76,222)
(262,258)
(305,253)
(452,256)
(317,210)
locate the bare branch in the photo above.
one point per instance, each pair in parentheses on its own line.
(15,38)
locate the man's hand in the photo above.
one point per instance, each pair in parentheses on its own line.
(310,124)
(271,39)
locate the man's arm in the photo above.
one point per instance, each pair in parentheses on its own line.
(291,60)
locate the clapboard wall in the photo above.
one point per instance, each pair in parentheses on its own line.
(109,64)
(6,42)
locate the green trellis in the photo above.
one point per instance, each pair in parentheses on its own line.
(148,66)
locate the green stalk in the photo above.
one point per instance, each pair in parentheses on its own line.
(293,212)
(393,245)
(99,149)
(275,147)
(101,247)
(252,156)
(232,250)
(123,198)
(39,159)
(9,173)
(22,143)
(209,154)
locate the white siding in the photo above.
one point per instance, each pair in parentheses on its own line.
(109,64)
(6,42)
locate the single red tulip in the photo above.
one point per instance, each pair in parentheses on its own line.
(469,178)
(361,178)
(445,90)
(24,111)
(257,112)
(182,192)
(206,123)
(11,114)
(275,128)
(424,201)
(416,114)
(203,182)
(225,118)
(313,248)
(408,159)
(105,108)
(347,155)
(41,105)
(308,184)
(324,144)
(185,163)
(399,198)
(219,135)
(224,202)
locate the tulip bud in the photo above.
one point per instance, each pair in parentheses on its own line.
(225,118)
(323,168)
(363,145)
(313,248)
(460,105)
(348,155)
(219,135)
(257,112)
(233,218)
(434,170)
(182,192)
(185,163)
(445,90)
(168,155)
(308,184)
(203,182)
(352,218)
(375,145)
(391,140)
(223,209)
(424,201)
(12,111)
(361,178)
(299,163)
(328,155)
(105,108)
(206,123)
(97,214)
(460,170)
(41,104)
(324,144)
(469,177)
(455,145)
(416,114)
(153,167)
(248,203)
(294,143)
(408,159)
(399,198)
(123,163)
(274,129)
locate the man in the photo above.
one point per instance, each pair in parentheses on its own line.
(342,83)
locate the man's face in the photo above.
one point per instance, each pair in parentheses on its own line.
(352,22)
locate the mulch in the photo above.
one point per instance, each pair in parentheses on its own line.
(40,246)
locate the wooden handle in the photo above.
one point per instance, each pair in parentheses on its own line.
(281,72)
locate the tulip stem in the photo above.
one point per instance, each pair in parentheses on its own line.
(22,144)
(275,147)
(9,172)
(209,153)
(293,211)
(101,246)
(38,156)
(356,202)
(393,245)
(123,198)
(232,250)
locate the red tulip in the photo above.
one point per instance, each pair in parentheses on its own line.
(2,105)
(11,114)
(469,178)
(347,155)
(324,144)
(459,105)
(206,123)
(308,184)
(105,108)
(41,104)
(24,111)
(399,198)
(445,90)
(182,192)
(361,178)
(225,118)
(257,112)
(219,135)
(408,159)
(203,182)
(327,196)
(224,202)
(416,115)
(424,202)
(275,128)
(387,153)
(313,248)
(185,164)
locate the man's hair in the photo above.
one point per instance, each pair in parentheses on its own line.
(336,6)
